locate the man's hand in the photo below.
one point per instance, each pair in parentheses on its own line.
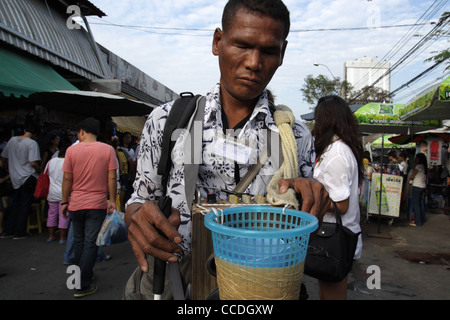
(142,222)
(111,208)
(64,208)
(315,198)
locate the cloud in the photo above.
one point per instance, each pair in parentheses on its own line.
(182,59)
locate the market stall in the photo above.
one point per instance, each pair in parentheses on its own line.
(385,197)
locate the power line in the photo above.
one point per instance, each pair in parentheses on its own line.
(421,75)
(360,28)
(435,31)
(427,38)
(423,86)
(148,28)
(426,16)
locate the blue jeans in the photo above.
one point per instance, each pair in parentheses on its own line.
(16,223)
(86,226)
(418,205)
(69,254)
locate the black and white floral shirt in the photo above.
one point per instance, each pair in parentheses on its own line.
(214,171)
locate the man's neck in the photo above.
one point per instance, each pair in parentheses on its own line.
(236,110)
(26,135)
(88,137)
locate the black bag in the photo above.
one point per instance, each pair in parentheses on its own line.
(331,251)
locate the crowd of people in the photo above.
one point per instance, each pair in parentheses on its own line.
(86,173)
(23,159)
(424,185)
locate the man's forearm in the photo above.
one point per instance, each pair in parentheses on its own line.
(112,185)
(66,187)
(36,166)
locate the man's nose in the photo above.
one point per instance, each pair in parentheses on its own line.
(254,61)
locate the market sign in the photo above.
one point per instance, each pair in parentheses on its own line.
(390,191)
(435,101)
(387,114)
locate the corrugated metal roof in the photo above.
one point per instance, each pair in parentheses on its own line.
(87,7)
(41,30)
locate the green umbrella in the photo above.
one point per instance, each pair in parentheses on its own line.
(420,136)
(377,144)
(433,103)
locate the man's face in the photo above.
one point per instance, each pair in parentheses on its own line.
(249,52)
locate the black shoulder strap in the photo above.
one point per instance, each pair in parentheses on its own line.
(178,118)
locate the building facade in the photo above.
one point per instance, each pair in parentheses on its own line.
(368,71)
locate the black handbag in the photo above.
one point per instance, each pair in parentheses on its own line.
(331,251)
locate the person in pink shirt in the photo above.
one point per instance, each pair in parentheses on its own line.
(89,176)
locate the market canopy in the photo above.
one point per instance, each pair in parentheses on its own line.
(90,103)
(21,76)
(384,118)
(432,104)
(378,143)
(421,136)
(133,125)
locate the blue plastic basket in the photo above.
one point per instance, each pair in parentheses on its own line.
(261,236)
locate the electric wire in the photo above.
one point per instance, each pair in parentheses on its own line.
(441,25)
(415,28)
(150,28)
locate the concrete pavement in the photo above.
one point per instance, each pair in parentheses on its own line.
(414,264)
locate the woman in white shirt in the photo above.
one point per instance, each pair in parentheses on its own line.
(419,183)
(55,218)
(339,167)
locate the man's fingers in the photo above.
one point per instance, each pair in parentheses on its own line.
(321,201)
(139,254)
(317,194)
(141,248)
(302,188)
(284,185)
(326,206)
(170,230)
(149,219)
(148,238)
(151,233)
(315,198)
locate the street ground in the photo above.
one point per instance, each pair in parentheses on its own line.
(414,264)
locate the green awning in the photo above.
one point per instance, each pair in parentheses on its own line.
(433,103)
(384,117)
(22,76)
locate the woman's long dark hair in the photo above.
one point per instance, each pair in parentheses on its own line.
(333,117)
(422,159)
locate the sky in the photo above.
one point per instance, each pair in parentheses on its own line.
(171,41)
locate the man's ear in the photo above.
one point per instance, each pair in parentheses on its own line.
(283,51)
(218,35)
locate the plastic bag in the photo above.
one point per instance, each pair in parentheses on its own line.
(113,230)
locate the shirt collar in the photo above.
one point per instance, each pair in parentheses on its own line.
(213,108)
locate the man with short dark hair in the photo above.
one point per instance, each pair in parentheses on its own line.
(23,162)
(89,176)
(250,49)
